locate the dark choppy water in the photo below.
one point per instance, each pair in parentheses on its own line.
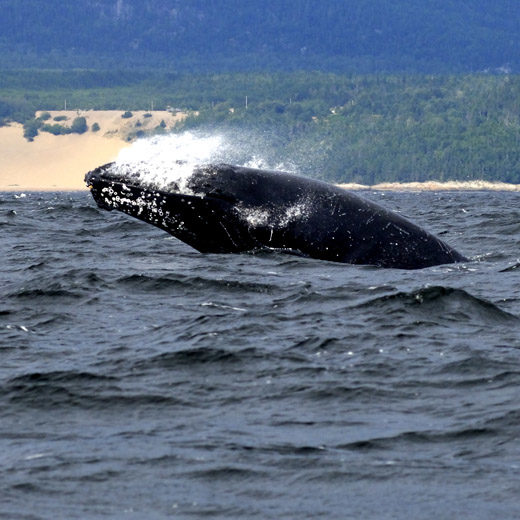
(141,379)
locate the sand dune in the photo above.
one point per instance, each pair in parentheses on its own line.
(60,162)
(51,162)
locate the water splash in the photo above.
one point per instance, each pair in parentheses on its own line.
(171,159)
(163,160)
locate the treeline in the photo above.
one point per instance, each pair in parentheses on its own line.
(366,129)
(365,36)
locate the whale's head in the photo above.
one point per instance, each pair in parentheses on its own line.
(115,188)
(200,210)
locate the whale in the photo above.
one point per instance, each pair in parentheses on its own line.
(223,208)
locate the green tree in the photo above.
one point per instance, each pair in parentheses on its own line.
(79,125)
(55,129)
(30,129)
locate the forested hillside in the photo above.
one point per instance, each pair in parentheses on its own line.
(342,127)
(357,36)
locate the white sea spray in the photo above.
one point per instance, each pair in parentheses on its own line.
(163,160)
(259,162)
(168,161)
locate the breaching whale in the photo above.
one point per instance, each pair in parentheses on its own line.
(222,208)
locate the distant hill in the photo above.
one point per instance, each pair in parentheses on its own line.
(361,36)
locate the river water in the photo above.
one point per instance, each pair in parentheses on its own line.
(142,379)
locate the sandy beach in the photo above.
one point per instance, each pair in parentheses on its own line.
(476,185)
(59,163)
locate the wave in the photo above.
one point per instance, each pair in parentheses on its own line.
(364,393)
(228,473)
(82,389)
(51,292)
(439,303)
(57,376)
(419,437)
(511,268)
(74,283)
(122,225)
(197,356)
(166,282)
(503,425)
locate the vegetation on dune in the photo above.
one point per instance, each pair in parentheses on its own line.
(55,129)
(35,125)
(79,126)
(30,129)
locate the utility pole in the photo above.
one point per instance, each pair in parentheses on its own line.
(246,102)
(65,104)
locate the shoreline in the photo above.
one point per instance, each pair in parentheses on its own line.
(475,185)
(410,187)
(403,188)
